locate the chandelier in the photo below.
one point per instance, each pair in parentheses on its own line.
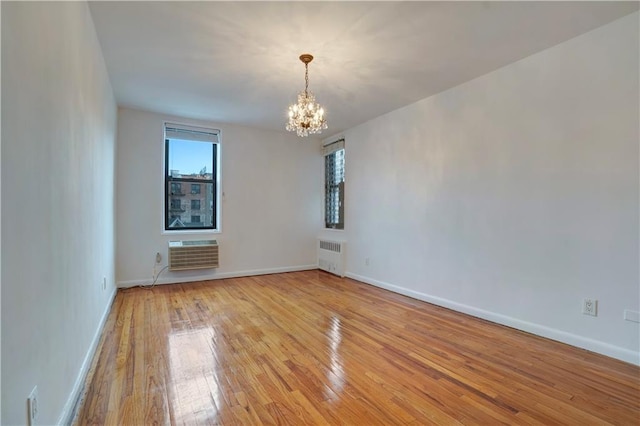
(306,116)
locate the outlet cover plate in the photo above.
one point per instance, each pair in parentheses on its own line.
(590,307)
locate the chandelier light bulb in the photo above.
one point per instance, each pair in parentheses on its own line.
(306,116)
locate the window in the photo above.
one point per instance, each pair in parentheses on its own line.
(176,188)
(334,185)
(191,161)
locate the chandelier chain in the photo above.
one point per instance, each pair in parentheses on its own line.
(306,78)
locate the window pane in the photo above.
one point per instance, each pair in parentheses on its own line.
(192,210)
(189,158)
(334,189)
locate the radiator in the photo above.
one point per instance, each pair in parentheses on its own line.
(201,254)
(331,256)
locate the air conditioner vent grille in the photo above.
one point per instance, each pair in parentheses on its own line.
(185,255)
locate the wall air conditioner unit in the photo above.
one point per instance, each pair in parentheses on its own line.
(185,255)
(331,256)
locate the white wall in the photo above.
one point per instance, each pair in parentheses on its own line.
(513,196)
(58,152)
(271,209)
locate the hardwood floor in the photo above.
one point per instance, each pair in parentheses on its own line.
(311,348)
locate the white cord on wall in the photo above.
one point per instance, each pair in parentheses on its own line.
(155,279)
(155,276)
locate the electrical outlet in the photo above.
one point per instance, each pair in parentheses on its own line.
(104,283)
(158,257)
(367,261)
(590,307)
(32,407)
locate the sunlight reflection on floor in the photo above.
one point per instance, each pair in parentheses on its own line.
(193,362)
(335,376)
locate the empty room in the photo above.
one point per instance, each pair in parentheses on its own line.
(332,213)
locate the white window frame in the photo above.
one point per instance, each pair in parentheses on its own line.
(217,190)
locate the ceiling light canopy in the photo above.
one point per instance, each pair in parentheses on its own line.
(306,116)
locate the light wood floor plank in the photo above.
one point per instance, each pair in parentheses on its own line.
(312,348)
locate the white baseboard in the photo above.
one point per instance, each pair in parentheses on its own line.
(67,411)
(217,276)
(617,352)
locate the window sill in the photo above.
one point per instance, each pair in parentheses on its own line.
(191,232)
(333,229)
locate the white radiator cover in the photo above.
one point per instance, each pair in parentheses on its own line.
(332,256)
(186,255)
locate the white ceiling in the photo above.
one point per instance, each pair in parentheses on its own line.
(237,62)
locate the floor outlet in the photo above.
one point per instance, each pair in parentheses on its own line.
(590,307)
(32,406)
